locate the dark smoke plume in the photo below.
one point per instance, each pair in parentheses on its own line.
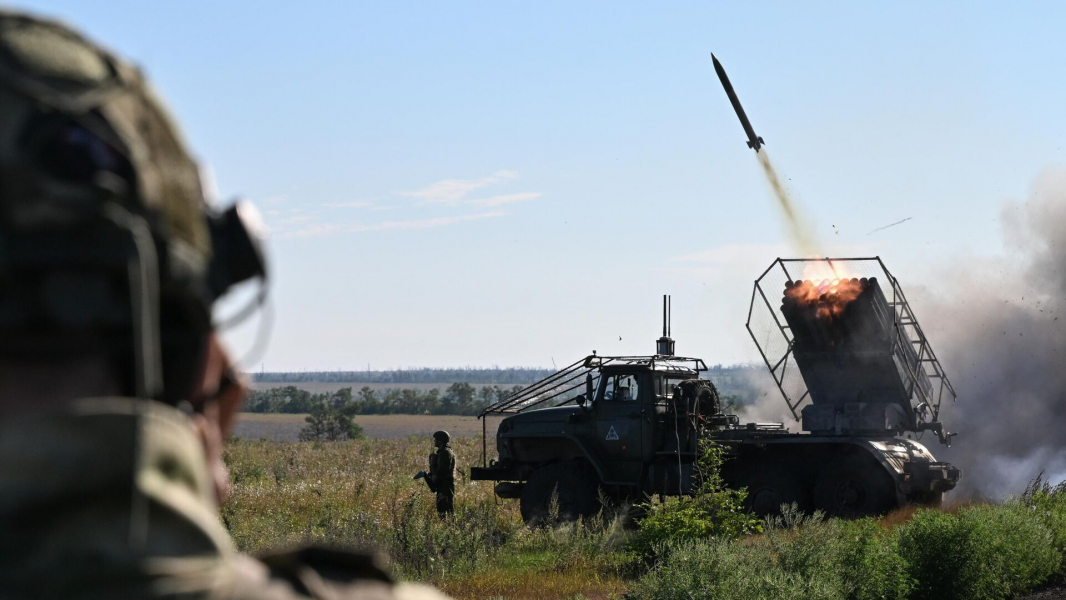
(999,328)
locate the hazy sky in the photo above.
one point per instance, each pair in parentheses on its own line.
(456,184)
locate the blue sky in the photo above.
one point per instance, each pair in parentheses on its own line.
(494,183)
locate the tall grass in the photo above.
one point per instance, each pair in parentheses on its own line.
(360,493)
(976,553)
(796,557)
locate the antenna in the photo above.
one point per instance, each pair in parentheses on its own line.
(665,346)
(665,313)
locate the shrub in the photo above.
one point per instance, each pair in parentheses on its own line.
(870,563)
(1048,503)
(981,552)
(798,557)
(326,424)
(713,511)
(728,570)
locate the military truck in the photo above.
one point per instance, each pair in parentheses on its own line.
(842,346)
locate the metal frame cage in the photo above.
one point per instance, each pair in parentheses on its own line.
(768,328)
(563,385)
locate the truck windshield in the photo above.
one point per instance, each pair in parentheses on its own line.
(621,388)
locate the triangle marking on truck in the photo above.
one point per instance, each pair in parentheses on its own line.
(612,435)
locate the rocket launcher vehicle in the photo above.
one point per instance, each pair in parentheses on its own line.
(864,364)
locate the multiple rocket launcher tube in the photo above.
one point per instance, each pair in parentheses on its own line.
(844,343)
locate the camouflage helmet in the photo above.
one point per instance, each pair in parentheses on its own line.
(442,437)
(87,150)
(74,118)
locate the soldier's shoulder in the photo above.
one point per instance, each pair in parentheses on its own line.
(322,573)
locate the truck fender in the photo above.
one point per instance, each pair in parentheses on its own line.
(582,450)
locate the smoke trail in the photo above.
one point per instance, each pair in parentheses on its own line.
(798,230)
(999,327)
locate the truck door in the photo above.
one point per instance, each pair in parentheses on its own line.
(620,423)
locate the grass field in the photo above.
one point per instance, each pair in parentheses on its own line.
(360,493)
(286,428)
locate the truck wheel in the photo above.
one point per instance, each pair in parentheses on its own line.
(769,488)
(575,488)
(851,490)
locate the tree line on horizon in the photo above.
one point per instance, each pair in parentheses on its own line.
(730,379)
(457,399)
(491,375)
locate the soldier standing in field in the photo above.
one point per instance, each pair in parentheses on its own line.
(442,473)
(115,392)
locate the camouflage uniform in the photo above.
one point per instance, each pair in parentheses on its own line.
(117,504)
(442,474)
(112,497)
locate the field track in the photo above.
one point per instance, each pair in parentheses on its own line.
(286,428)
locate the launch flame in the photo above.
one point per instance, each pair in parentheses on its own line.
(830,296)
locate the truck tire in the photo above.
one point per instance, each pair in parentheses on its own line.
(700,396)
(854,489)
(770,487)
(575,487)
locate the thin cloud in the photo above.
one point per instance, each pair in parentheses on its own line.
(428,223)
(321,229)
(501,200)
(454,191)
(350,204)
(295,218)
(315,230)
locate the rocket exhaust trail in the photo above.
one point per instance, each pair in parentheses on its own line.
(798,230)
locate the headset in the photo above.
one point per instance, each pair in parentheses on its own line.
(87,267)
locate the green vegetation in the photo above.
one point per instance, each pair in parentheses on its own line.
(457,399)
(326,424)
(457,396)
(497,375)
(796,557)
(713,511)
(360,493)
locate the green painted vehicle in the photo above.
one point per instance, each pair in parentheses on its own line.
(849,359)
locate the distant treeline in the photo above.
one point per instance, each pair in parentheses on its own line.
(733,379)
(735,383)
(456,399)
(496,375)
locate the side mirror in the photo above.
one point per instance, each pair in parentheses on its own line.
(588,385)
(581,400)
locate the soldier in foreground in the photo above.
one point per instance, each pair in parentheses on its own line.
(115,394)
(442,473)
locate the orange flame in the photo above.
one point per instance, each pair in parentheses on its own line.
(829,296)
